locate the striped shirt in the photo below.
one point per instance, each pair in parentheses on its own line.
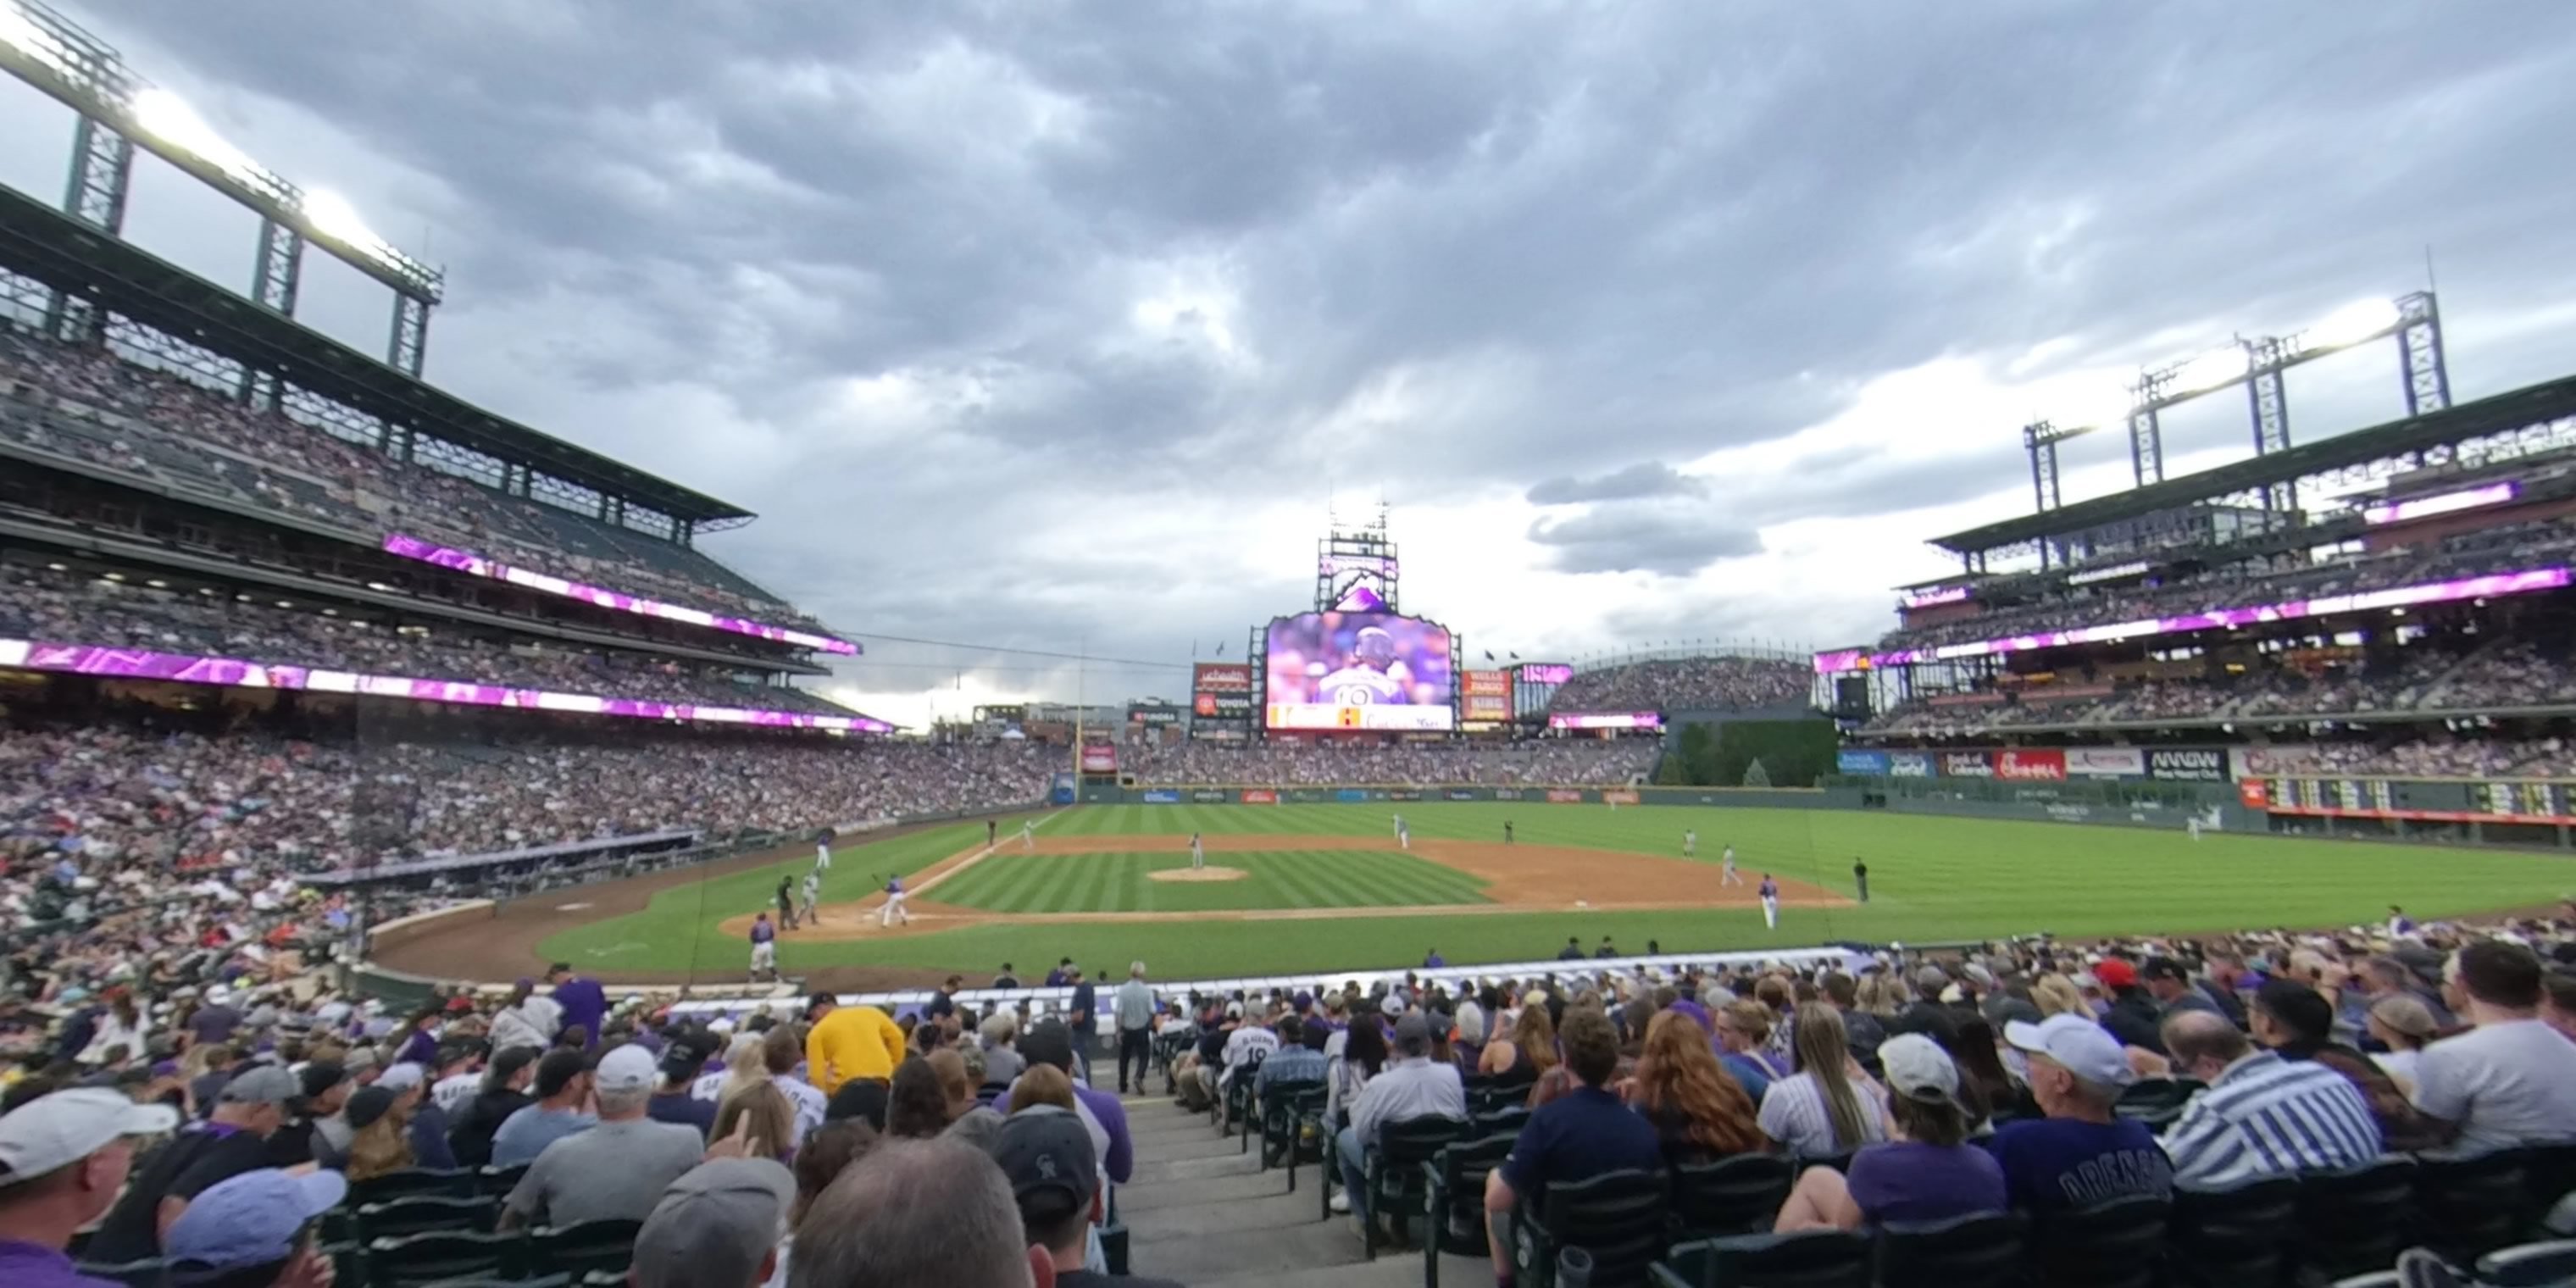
(2267,1116)
(1794,1114)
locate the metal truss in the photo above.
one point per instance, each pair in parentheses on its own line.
(102,175)
(409,343)
(2268,394)
(276,276)
(2419,342)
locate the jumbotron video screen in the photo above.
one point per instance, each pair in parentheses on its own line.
(1358,671)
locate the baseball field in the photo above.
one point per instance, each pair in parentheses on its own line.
(1292,888)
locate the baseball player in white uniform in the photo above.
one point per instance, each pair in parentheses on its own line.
(894,903)
(1028,834)
(1770,902)
(1198,853)
(1690,844)
(813,895)
(1403,835)
(823,852)
(1727,874)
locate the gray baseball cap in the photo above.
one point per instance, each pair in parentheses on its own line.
(715,1224)
(266,1085)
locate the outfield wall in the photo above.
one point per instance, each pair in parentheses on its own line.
(1370,794)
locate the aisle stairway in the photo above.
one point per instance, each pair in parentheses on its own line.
(1201,1212)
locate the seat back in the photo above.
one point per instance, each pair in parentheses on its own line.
(2549,1174)
(2155,1102)
(2118,1244)
(2236,1236)
(421,1213)
(499,1179)
(1463,1167)
(410,1181)
(1409,1143)
(1509,1120)
(2355,1220)
(588,1246)
(1983,1250)
(1618,1217)
(1734,1195)
(1807,1259)
(412,1260)
(2464,1207)
(2530,1265)
(150,1272)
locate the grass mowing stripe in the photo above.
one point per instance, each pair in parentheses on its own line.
(1290,874)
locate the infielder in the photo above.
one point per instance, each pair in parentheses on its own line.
(764,947)
(894,903)
(1028,834)
(823,852)
(1690,844)
(1727,875)
(1770,902)
(1198,853)
(1403,835)
(1399,827)
(813,897)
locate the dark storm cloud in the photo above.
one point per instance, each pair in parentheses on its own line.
(1674,541)
(1449,249)
(1643,479)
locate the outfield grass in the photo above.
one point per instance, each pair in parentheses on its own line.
(1931,879)
(1321,877)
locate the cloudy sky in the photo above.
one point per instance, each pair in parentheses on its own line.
(1060,326)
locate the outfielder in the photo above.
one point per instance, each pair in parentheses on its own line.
(823,851)
(1727,874)
(1690,844)
(894,903)
(2194,827)
(1770,902)
(1028,834)
(1198,853)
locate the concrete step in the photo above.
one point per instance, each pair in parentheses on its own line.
(1200,1194)
(1390,1270)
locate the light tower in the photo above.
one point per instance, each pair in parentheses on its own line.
(1355,567)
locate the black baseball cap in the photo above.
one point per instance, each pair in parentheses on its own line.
(2163,968)
(557,1070)
(1046,1154)
(1048,1043)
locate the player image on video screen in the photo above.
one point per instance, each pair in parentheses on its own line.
(1357,661)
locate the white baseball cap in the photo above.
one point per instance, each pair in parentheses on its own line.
(402,1077)
(631,1067)
(55,1131)
(2085,1048)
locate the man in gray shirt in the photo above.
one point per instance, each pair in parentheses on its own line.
(616,1170)
(1135,1012)
(2511,1080)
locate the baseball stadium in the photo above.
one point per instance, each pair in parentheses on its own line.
(323,688)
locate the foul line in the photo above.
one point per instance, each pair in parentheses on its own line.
(971,860)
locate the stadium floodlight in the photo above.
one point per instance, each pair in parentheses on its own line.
(333,216)
(2224,365)
(169,118)
(2108,409)
(2352,324)
(21,33)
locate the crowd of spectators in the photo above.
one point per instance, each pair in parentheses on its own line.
(1537,762)
(88,404)
(2509,548)
(39,603)
(1689,684)
(130,808)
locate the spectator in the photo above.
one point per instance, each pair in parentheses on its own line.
(763,1117)
(1528,1050)
(1924,1172)
(1134,1012)
(63,1157)
(254,1230)
(526,1020)
(1002,1062)
(914,1212)
(825,1155)
(615,1170)
(719,1225)
(1829,1106)
(561,1109)
(916,1108)
(1698,1112)
(1048,1160)
(2134,1013)
(2558,1003)
(422,1124)
(1050,1044)
(233,1141)
(781,1051)
(382,1144)
(1743,1031)
(2081,1153)
(325,1088)
(2294,1021)
(2511,1079)
(1294,1062)
(1363,1057)
(504,1092)
(2261,1115)
(1414,1087)
(2171,986)
(675,1101)
(1576,1137)
(1043,1084)
(458,1076)
(849,1042)
(859,1100)
(2404,1026)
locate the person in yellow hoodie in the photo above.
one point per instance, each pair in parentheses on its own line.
(848,1042)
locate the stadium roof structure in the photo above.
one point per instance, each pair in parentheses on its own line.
(2505,412)
(63,253)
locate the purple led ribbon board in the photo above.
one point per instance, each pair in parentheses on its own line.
(90,659)
(2424,507)
(2434,592)
(1606,720)
(466,561)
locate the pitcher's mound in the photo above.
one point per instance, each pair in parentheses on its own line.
(1197,874)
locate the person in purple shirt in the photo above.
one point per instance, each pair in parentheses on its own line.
(1050,1043)
(420,1043)
(1926,1172)
(63,1157)
(583,1001)
(216,1020)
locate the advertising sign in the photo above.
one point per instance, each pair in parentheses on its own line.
(1619,798)
(1462,794)
(1909,764)
(1605,720)
(1222,706)
(1564,796)
(1544,672)
(1507,793)
(1358,671)
(466,561)
(2106,762)
(1162,796)
(1154,715)
(1873,764)
(1260,796)
(1221,677)
(1404,794)
(2271,760)
(2198,764)
(1351,795)
(1211,796)
(1485,695)
(2254,793)
(1100,758)
(1966,764)
(2029,764)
